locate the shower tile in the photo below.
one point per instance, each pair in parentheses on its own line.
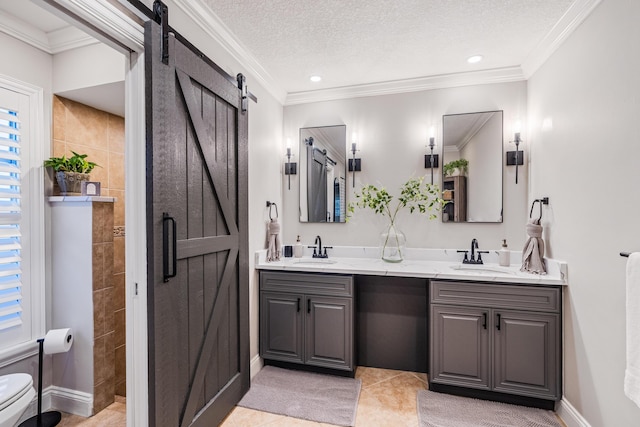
(116,171)
(119,294)
(98,314)
(120,333)
(86,125)
(109,320)
(116,134)
(59,119)
(118,255)
(98,266)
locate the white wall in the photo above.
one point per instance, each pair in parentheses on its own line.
(32,66)
(87,66)
(587,163)
(393,131)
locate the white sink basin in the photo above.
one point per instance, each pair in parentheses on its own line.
(481,268)
(315,261)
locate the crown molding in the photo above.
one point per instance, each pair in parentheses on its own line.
(573,17)
(68,38)
(103,19)
(53,42)
(213,26)
(498,75)
(24,32)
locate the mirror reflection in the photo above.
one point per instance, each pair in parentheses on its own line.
(323,174)
(472,167)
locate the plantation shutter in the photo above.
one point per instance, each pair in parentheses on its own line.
(10,245)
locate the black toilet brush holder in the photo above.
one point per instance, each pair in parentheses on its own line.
(48,419)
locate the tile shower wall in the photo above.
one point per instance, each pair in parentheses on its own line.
(83,129)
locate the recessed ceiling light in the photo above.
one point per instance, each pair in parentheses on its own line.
(474,59)
(315,79)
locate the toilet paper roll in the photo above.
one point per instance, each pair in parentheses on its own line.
(58,341)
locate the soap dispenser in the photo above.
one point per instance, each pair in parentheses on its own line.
(297,249)
(504,258)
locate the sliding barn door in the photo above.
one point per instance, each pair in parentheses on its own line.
(197,238)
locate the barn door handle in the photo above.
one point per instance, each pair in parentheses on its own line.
(498,322)
(484,320)
(308,306)
(166,219)
(298,305)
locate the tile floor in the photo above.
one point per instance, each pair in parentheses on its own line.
(387,398)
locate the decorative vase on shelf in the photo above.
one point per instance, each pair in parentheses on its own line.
(70,183)
(392,244)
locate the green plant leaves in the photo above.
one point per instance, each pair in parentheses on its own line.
(415,194)
(76,163)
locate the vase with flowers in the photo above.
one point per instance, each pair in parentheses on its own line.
(415,195)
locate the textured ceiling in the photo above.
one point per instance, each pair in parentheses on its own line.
(352,42)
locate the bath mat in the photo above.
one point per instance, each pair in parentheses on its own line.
(444,410)
(314,397)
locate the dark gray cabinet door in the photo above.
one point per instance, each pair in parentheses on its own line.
(329,341)
(526,353)
(460,346)
(281,329)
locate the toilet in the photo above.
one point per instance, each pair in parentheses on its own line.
(16,392)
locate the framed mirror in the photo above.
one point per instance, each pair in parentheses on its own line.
(323,154)
(472,167)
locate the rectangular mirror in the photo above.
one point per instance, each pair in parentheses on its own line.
(472,167)
(323,153)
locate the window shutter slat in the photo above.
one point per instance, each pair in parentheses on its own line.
(9,284)
(6,115)
(10,219)
(10,321)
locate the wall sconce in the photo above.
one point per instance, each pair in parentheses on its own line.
(355,165)
(516,157)
(290,168)
(431,160)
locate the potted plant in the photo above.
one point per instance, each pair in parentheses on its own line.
(415,194)
(462,166)
(70,172)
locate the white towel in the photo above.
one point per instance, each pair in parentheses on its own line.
(632,373)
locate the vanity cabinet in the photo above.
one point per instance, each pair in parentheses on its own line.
(499,338)
(307,318)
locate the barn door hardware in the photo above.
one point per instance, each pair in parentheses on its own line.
(242,85)
(166,219)
(161,16)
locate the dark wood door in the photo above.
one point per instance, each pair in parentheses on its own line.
(197,238)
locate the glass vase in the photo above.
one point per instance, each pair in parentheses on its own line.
(392,244)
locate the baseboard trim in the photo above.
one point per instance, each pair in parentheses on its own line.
(61,399)
(570,415)
(71,401)
(256,365)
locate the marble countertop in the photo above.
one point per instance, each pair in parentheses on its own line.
(422,263)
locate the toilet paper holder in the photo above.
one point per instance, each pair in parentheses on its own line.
(50,418)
